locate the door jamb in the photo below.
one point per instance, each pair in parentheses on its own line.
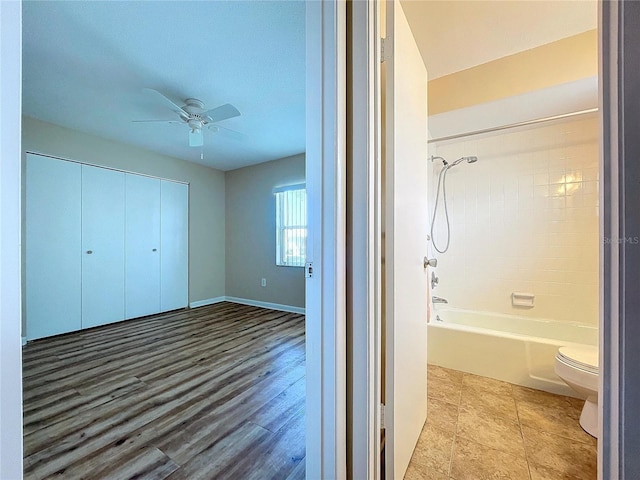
(364,241)
(10,227)
(326,290)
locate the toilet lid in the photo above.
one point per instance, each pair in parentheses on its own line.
(585,358)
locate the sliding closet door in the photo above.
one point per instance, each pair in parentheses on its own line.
(53,258)
(174,251)
(102,246)
(142,250)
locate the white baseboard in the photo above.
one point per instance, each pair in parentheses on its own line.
(245,301)
(24,341)
(208,301)
(272,306)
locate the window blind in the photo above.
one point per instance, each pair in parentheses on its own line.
(291,225)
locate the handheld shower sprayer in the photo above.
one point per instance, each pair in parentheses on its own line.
(469,159)
(442,180)
(464,159)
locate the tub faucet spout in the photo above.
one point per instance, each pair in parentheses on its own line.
(435,299)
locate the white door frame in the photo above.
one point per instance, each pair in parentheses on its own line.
(325,290)
(10,227)
(608,399)
(619,395)
(364,240)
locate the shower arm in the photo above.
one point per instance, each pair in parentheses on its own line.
(433,158)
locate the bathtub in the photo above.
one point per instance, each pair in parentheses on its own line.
(514,349)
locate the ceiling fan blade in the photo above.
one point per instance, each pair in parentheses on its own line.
(227,132)
(195,138)
(157,121)
(170,103)
(222,113)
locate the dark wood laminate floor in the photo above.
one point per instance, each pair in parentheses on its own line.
(212,392)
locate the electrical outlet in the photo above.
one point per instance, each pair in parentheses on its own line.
(263,282)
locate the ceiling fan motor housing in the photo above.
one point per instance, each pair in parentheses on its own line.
(193,105)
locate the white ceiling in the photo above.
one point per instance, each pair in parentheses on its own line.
(455,35)
(85,64)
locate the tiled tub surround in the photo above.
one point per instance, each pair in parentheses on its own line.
(478,428)
(524,218)
(530,345)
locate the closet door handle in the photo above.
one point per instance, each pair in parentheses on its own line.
(89,252)
(154,250)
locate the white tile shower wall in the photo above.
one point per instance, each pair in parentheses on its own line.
(524,218)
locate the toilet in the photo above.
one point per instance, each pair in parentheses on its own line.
(578,367)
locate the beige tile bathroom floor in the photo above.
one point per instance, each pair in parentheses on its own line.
(479,428)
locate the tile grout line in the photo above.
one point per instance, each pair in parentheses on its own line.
(503,417)
(524,445)
(455,433)
(553,434)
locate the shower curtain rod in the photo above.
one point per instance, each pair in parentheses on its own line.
(513,125)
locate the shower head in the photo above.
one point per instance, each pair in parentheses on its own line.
(463,159)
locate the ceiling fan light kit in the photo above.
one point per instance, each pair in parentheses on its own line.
(195,138)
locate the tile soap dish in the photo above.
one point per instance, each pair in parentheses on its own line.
(523,300)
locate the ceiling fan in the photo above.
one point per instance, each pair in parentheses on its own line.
(194,115)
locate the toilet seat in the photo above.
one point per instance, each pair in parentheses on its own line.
(582,358)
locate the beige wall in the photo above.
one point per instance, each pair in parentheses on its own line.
(250,230)
(563,61)
(524,218)
(206,192)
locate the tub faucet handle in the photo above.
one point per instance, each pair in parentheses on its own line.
(430,262)
(434,280)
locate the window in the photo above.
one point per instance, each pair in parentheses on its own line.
(291,225)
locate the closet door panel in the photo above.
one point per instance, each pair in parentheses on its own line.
(52,246)
(142,246)
(174,252)
(102,246)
